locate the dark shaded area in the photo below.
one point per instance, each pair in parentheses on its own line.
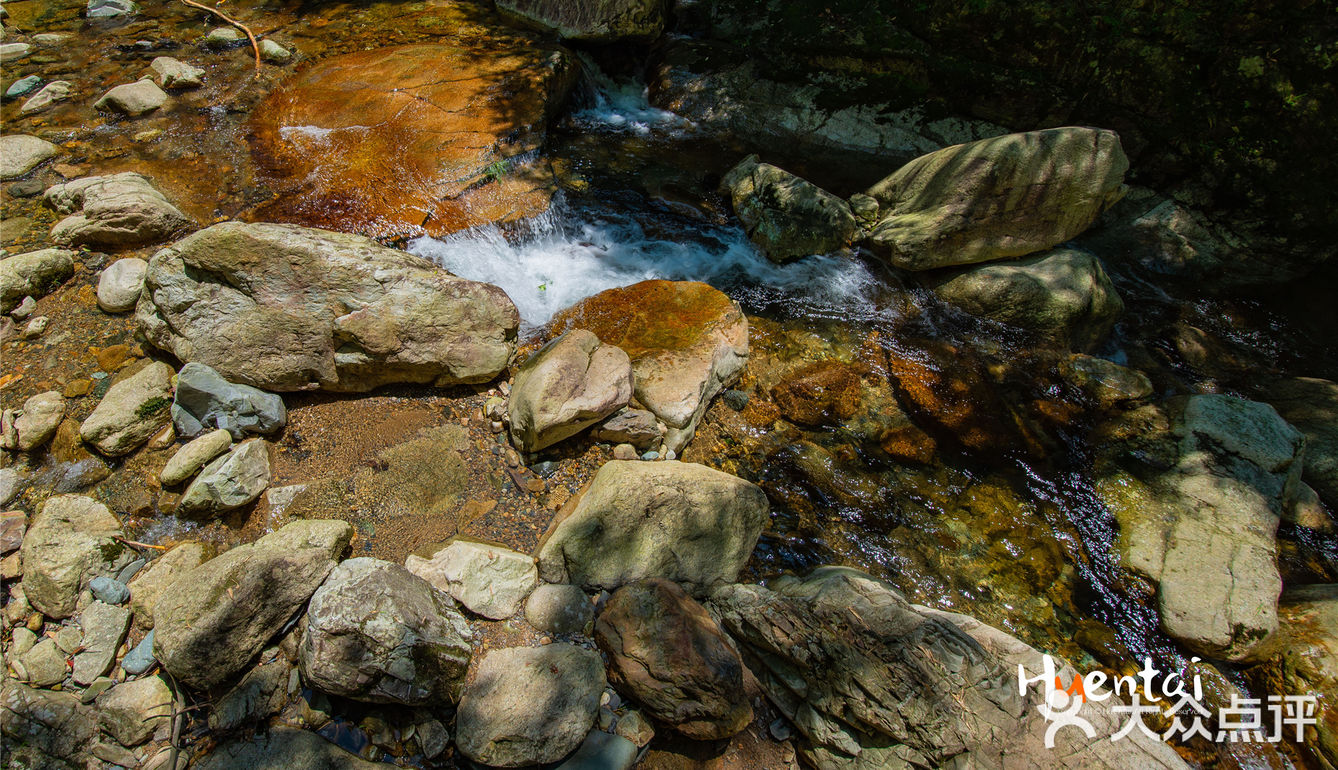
(1228,97)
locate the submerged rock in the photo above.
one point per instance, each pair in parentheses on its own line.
(70,541)
(488,580)
(667,654)
(687,342)
(1063,295)
(205,400)
(1204,530)
(288,308)
(870,680)
(214,618)
(55,91)
(595,21)
(26,429)
(115,211)
(1307,660)
(33,274)
(447,125)
(564,388)
(997,198)
(679,521)
(377,632)
(133,99)
(787,217)
(21,153)
(132,411)
(529,705)
(173,73)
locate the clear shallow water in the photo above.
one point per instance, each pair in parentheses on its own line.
(568,254)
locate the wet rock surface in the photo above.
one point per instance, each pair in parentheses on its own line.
(455,118)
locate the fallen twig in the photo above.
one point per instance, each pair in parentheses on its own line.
(138,544)
(255,46)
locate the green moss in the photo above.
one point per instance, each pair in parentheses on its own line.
(152,407)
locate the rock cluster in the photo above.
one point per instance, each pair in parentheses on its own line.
(117,211)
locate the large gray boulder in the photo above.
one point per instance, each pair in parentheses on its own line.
(1204,530)
(786,216)
(237,478)
(132,411)
(667,654)
(997,198)
(70,541)
(205,400)
(21,153)
(26,429)
(1063,295)
(1311,405)
(45,728)
(285,308)
(680,521)
(871,681)
(33,274)
(376,632)
(529,705)
(597,21)
(283,748)
(568,385)
(213,619)
(116,211)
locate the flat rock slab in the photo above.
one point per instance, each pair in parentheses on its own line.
(488,580)
(105,627)
(286,308)
(415,138)
(687,342)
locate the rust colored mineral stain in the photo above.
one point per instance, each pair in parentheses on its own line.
(413,139)
(650,316)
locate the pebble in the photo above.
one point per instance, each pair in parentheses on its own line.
(109,591)
(25,308)
(651,455)
(496,426)
(780,730)
(36,327)
(140,659)
(735,399)
(23,86)
(624,452)
(670,455)
(219,37)
(546,468)
(274,53)
(512,458)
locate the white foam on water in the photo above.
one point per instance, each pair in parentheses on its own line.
(314,133)
(621,105)
(562,258)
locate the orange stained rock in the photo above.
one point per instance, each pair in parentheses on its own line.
(652,316)
(424,138)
